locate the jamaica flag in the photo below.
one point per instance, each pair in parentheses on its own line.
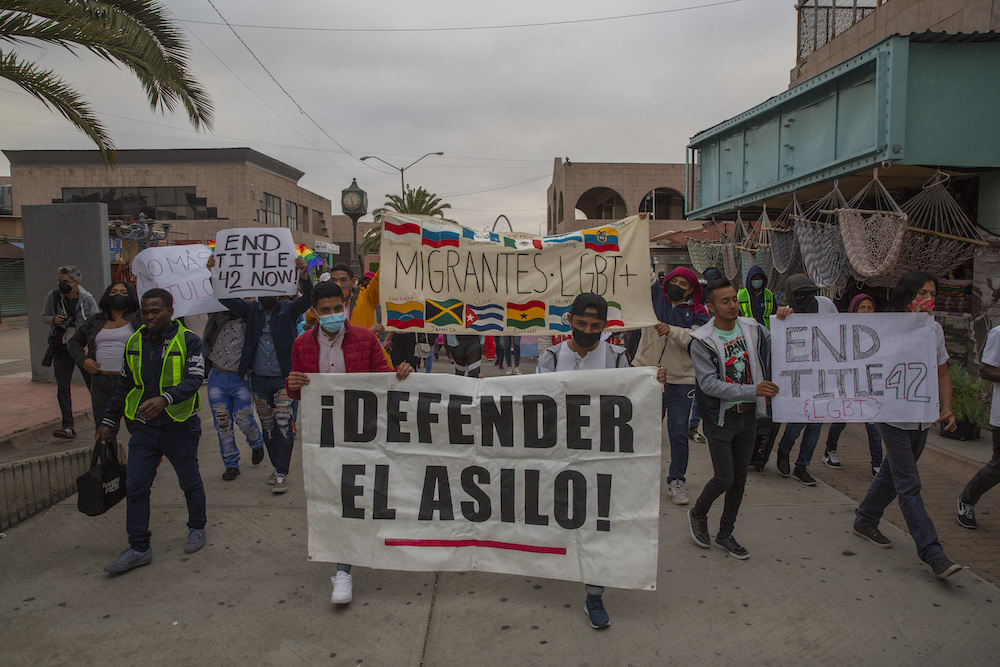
(442,313)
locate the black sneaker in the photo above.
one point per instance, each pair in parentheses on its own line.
(873,535)
(230,474)
(783,466)
(699,530)
(594,607)
(966,515)
(732,547)
(258,456)
(65,433)
(802,474)
(944,567)
(830,459)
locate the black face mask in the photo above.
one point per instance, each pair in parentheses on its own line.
(268,302)
(65,288)
(806,303)
(586,340)
(675,292)
(118,302)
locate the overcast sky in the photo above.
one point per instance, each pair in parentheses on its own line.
(500,103)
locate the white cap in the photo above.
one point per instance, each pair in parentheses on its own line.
(323,278)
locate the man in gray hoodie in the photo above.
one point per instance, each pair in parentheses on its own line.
(732,364)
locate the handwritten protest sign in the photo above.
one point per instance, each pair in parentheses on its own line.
(179,269)
(442,277)
(552,475)
(855,368)
(255,261)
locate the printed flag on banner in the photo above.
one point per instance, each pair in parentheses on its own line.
(528,244)
(401,229)
(525,315)
(484,318)
(572,237)
(480,237)
(442,313)
(439,236)
(405,315)
(604,239)
(559,318)
(509,242)
(614,315)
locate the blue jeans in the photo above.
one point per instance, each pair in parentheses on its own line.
(677,408)
(512,350)
(899,475)
(274,408)
(178,443)
(695,417)
(874,441)
(809,441)
(230,399)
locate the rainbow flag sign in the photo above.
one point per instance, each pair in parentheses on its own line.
(312,259)
(526,315)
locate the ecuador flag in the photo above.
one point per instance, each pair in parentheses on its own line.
(405,315)
(600,240)
(441,313)
(525,315)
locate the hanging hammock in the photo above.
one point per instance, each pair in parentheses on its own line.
(872,228)
(939,236)
(706,253)
(785,256)
(820,242)
(757,249)
(731,248)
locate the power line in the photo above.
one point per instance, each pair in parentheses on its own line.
(467,28)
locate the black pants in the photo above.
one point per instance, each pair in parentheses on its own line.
(62,365)
(403,348)
(731,446)
(987,477)
(102,388)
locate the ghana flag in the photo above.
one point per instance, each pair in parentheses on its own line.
(525,315)
(443,313)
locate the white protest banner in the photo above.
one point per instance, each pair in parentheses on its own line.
(255,261)
(876,368)
(442,277)
(179,269)
(553,475)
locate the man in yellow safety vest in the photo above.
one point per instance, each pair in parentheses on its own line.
(158,394)
(755,299)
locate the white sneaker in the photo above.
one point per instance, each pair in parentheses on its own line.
(509,371)
(280,483)
(675,490)
(517,371)
(343,588)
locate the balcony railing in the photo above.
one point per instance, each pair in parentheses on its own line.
(822,20)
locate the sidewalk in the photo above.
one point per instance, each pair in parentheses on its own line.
(810,593)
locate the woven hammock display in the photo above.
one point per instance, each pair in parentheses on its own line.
(872,228)
(820,242)
(757,249)
(785,256)
(706,253)
(939,236)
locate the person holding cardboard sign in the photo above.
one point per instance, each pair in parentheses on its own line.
(267,356)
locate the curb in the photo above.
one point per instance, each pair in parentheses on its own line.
(42,433)
(950,464)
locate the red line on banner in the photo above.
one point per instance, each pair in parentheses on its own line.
(560,551)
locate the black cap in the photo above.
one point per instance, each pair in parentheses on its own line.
(592,301)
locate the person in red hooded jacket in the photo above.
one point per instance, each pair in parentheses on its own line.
(335,346)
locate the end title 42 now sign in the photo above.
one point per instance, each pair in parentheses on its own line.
(877,368)
(554,475)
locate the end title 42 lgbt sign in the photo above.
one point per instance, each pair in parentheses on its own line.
(442,277)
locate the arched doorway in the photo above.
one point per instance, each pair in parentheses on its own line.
(663,204)
(602,204)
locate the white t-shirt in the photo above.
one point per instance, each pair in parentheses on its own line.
(991,357)
(596,359)
(826,306)
(942,359)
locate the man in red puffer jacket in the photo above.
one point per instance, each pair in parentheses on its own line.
(334,346)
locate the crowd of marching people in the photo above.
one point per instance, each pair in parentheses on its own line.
(711,345)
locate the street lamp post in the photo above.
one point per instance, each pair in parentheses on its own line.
(143,237)
(401,170)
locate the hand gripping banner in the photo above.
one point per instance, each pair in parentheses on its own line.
(554,475)
(439,276)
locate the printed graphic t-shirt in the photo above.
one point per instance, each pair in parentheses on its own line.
(735,358)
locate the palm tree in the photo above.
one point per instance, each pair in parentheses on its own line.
(418,202)
(134,33)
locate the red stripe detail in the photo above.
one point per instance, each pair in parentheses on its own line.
(404,324)
(531,548)
(601,248)
(441,243)
(526,306)
(614,323)
(405,228)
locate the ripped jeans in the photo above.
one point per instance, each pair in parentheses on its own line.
(274,408)
(230,400)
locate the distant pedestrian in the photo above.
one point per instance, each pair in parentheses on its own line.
(466,353)
(158,394)
(904,443)
(511,352)
(989,475)
(732,363)
(65,309)
(756,300)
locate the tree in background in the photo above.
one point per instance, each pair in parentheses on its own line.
(418,202)
(134,33)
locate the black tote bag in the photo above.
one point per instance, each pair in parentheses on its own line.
(103,486)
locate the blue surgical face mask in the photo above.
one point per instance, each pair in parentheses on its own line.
(332,323)
(757,284)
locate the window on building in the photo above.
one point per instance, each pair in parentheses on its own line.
(291,215)
(6,202)
(270,214)
(304,219)
(663,204)
(156,203)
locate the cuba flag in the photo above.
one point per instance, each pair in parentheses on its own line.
(484,318)
(601,240)
(404,315)
(559,318)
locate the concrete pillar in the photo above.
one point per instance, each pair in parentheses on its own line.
(56,235)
